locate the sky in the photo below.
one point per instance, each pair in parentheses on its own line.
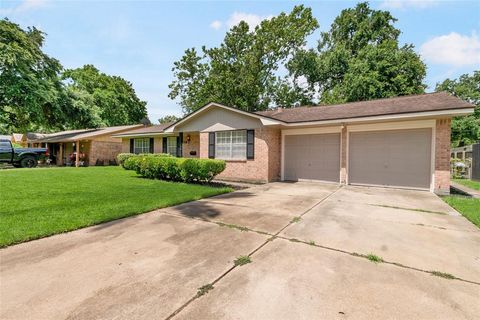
(140,40)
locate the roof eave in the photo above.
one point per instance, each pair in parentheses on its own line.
(389,117)
(266,121)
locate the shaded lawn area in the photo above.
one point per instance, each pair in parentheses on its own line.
(468,207)
(475,185)
(35,203)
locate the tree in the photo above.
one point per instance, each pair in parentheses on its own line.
(359,58)
(31,93)
(242,71)
(108,100)
(168,119)
(465,130)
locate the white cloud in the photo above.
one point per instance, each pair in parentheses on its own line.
(217,24)
(24,6)
(404,4)
(252,20)
(452,49)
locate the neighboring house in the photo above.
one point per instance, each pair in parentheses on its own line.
(399,142)
(18,138)
(86,146)
(462,155)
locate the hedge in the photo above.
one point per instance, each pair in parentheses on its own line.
(175,169)
(123,157)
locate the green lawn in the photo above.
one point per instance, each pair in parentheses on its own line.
(468,183)
(35,203)
(468,207)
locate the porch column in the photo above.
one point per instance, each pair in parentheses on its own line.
(77,153)
(60,154)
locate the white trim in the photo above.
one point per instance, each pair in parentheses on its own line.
(305,131)
(317,130)
(152,134)
(265,120)
(394,117)
(401,125)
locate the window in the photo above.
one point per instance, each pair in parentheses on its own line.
(141,145)
(172,146)
(231,144)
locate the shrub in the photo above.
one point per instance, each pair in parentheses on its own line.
(174,169)
(122,157)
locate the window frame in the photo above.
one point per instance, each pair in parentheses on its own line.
(172,145)
(229,141)
(143,145)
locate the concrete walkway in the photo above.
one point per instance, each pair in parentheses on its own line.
(465,189)
(308,244)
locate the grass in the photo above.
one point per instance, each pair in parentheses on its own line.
(233,226)
(204,289)
(442,275)
(468,207)
(469,183)
(374,258)
(403,208)
(296,219)
(35,203)
(242,260)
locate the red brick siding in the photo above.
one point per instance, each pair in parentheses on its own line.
(263,168)
(442,156)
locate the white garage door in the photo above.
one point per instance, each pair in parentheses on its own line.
(312,157)
(399,158)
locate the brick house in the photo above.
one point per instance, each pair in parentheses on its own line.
(93,146)
(399,142)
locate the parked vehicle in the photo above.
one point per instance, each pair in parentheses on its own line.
(21,157)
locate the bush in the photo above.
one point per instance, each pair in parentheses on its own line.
(175,169)
(131,161)
(122,157)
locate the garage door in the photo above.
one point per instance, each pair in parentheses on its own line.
(391,158)
(312,157)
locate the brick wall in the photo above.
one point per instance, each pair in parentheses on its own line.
(192,145)
(263,168)
(103,150)
(442,156)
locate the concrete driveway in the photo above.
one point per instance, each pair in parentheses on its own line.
(308,245)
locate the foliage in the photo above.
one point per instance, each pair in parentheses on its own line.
(122,157)
(168,119)
(360,58)
(465,130)
(241,72)
(31,93)
(101,194)
(37,95)
(175,169)
(109,100)
(242,260)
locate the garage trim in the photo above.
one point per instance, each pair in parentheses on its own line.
(303,131)
(419,124)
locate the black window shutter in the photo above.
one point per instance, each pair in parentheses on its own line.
(132,141)
(164,145)
(250,144)
(179,144)
(151,145)
(211,145)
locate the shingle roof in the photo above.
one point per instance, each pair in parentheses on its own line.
(73,135)
(406,104)
(156,128)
